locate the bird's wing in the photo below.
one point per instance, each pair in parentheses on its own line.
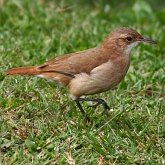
(75,63)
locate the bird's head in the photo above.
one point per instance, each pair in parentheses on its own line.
(126,38)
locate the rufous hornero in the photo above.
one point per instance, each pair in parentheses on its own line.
(91,71)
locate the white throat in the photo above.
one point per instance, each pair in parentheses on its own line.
(129,47)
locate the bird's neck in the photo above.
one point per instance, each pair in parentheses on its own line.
(114,51)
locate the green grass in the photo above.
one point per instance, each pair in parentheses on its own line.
(39,124)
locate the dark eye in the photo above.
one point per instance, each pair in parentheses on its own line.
(129,38)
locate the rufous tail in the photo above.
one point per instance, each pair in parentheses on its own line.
(30,70)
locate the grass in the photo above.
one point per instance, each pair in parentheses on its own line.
(39,124)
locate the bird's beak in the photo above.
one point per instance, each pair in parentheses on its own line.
(148,40)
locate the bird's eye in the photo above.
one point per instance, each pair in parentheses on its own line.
(129,38)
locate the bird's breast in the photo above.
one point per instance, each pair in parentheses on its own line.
(100,79)
(110,73)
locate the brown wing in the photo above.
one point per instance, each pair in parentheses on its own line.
(76,63)
(65,67)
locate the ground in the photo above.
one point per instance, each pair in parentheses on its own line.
(39,124)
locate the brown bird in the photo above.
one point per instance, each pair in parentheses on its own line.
(91,71)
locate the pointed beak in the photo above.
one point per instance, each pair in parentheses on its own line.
(148,40)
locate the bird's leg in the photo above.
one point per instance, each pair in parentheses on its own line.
(82,111)
(98,102)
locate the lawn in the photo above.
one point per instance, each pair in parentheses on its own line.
(40,125)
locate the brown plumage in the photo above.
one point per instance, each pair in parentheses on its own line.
(91,71)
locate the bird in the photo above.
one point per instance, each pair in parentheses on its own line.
(91,71)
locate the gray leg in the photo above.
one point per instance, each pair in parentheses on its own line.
(98,102)
(82,111)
